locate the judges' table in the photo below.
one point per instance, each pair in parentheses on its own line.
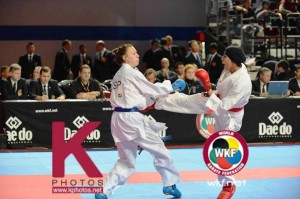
(28,123)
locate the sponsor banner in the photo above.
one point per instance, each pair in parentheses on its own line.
(28,124)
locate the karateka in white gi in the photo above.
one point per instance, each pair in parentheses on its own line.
(131,92)
(227,102)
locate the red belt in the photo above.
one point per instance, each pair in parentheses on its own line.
(236,109)
(231,110)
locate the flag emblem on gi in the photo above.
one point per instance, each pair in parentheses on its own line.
(225,152)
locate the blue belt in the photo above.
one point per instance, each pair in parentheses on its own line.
(119,109)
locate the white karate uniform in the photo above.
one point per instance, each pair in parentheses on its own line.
(129,129)
(234,91)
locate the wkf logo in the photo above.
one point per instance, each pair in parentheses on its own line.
(16,135)
(225,152)
(275,129)
(79,122)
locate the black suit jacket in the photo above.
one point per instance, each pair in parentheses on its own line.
(214,68)
(77,63)
(172,76)
(22,90)
(190,59)
(3,89)
(256,87)
(149,58)
(61,66)
(103,70)
(177,54)
(293,85)
(36,89)
(159,54)
(28,67)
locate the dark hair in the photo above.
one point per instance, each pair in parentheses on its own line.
(153,41)
(65,42)
(178,63)
(283,64)
(120,52)
(45,69)
(29,44)
(213,45)
(163,41)
(4,67)
(82,46)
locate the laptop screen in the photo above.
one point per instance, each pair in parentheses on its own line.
(278,88)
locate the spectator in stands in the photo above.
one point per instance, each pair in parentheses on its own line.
(4,72)
(280,70)
(165,73)
(103,63)
(260,85)
(287,6)
(45,88)
(150,75)
(179,69)
(3,89)
(246,15)
(29,60)
(193,85)
(84,87)
(214,65)
(162,52)
(148,57)
(294,83)
(176,54)
(265,10)
(16,86)
(80,59)
(193,56)
(62,63)
(36,73)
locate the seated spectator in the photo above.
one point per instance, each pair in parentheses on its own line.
(179,69)
(280,70)
(294,83)
(287,6)
(165,73)
(45,88)
(262,13)
(261,84)
(16,86)
(3,89)
(193,85)
(4,72)
(150,75)
(36,73)
(246,16)
(84,87)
